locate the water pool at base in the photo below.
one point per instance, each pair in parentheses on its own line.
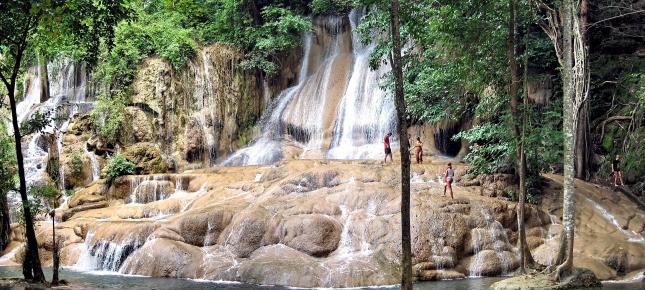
(110,280)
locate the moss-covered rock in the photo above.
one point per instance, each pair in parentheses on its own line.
(147,158)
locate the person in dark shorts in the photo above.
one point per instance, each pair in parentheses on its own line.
(615,171)
(388,149)
(449,176)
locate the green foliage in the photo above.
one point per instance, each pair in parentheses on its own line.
(38,122)
(41,200)
(77,161)
(492,148)
(280,31)
(108,116)
(337,7)
(117,166)
(152,32)
(68,192)
(7,161)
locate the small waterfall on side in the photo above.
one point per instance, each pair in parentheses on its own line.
(266,149)
(69,93)
(149,188)
(631,235)
(492,237)
(96,169)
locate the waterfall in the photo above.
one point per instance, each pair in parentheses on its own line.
(148,188)
(365,115)
(69,92)
(491,237)
(336,109)
(105,254)
(96,169)
(266,149)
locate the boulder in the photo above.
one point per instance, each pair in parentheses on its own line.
(244,234)
(171,259)
(146,157)
(68,214)
(433,275)
(315,234)
(141,126)
(281,265)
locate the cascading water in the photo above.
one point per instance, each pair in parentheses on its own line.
(336,110)
(150,188)
(365,115)
(491,237)
(96,169)
(69,93)
(266,149)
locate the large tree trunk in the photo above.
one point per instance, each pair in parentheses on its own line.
(570,116)
(518,126)
(397,69)
(34,269)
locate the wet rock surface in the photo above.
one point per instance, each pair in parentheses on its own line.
(338,230)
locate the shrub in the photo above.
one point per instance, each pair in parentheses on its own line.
(77,162)
(117,166)
(107,116)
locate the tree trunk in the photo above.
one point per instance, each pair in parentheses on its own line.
(397,69)
(55,252)
(570,122)
(518,128)
(582,140)
(43,77)
(34,269)
(5,222)
(528,257)
(582,144)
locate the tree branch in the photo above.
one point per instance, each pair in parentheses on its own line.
(614,17)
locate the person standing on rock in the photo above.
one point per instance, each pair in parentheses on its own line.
(388,149)
(615,171)
(418,150)
(449,175)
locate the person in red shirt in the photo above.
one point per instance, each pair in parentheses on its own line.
(388,149)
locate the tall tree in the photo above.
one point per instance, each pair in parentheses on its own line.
(402,126)
(517,125)
(18,22)
(564,28)
(82,23)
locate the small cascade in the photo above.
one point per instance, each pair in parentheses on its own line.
(105,255)
(9,257)
(96,169)
(204,97)
(491,237)
(631,235)
(59,143)
(150,188)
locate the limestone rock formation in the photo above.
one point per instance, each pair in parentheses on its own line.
(314,224)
